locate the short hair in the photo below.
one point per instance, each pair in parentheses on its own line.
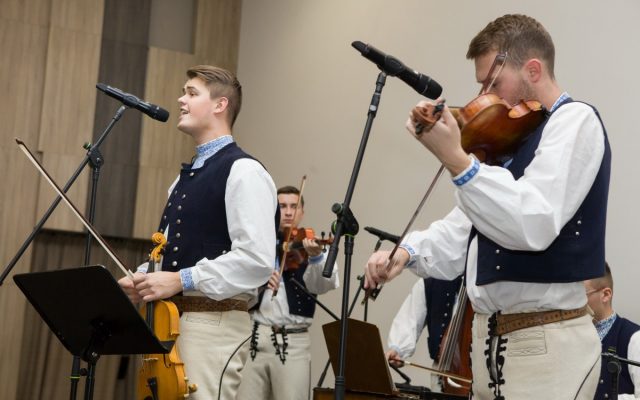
(520,36)
(606,280)
(221,83)
(291,190)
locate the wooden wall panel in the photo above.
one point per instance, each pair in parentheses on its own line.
(69,98)
(217,33)
(33,12)
(123,64)
(163,147)
(23,45)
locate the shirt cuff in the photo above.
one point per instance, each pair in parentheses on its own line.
(411,252)
(186,276)
(466,175)
(316,259)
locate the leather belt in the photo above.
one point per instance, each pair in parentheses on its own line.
(200,304)
(506,323)
(277,329)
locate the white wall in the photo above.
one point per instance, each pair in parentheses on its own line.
(307,93)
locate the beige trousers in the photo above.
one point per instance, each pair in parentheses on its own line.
(267,378)
(207,341)
(557,361)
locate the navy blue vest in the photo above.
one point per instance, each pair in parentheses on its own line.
(440,297)
(576,254)
(299,302)
(617,341)
(196,213)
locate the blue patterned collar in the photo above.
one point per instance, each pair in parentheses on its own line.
(603,327)
(206,150)
(560,100)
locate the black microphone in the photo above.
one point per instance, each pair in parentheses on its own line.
(394,67)
(382,235)
(130,100)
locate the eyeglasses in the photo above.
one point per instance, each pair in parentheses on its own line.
(498,62)
(593,291)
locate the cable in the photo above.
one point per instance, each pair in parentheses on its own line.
(227,364)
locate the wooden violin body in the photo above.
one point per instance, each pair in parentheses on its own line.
(490,128)
(296,254)
(455,349)
(162,375)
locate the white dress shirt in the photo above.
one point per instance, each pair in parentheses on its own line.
(409,322)
(275,312)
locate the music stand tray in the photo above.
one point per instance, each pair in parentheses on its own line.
(89,313)
(366,369)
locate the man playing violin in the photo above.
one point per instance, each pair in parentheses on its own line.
(221,231)
(280,365)
(525,233)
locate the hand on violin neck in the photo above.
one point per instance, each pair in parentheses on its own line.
(312,247)
(159,285)
(443,140)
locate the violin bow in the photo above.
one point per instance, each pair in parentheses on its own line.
(285,244)
(92,230)
(373,293)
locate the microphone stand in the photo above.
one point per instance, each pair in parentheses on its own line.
(346,224)
(95,159)
(614,366)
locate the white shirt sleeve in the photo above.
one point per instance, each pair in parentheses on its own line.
(440,251)
(409,322)
(251,203)
(633,353)
(314,280)
(528,213)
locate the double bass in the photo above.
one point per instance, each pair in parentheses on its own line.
(162,376)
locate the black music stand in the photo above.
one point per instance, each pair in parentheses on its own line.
(90,314)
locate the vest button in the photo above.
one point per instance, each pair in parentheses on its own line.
(178,235)
(184,196)
(442,325)
(601,381)
(169,204)
(175,192)
(178,221)
(497,268)
(606,395)
(448,304)
(175,249)
(579,222)
(497,251)
(446,315)
(577,233)
(179,207)
(192,173)
(224,252)
(164,217)
(174,264)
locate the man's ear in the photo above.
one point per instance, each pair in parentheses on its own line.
(533,70)
(221,104)
(607,295)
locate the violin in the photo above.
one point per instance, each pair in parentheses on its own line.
(294,249)
(162,376)
(490,128)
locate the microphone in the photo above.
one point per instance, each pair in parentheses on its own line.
(130,100)
(394,67)
(382,235)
